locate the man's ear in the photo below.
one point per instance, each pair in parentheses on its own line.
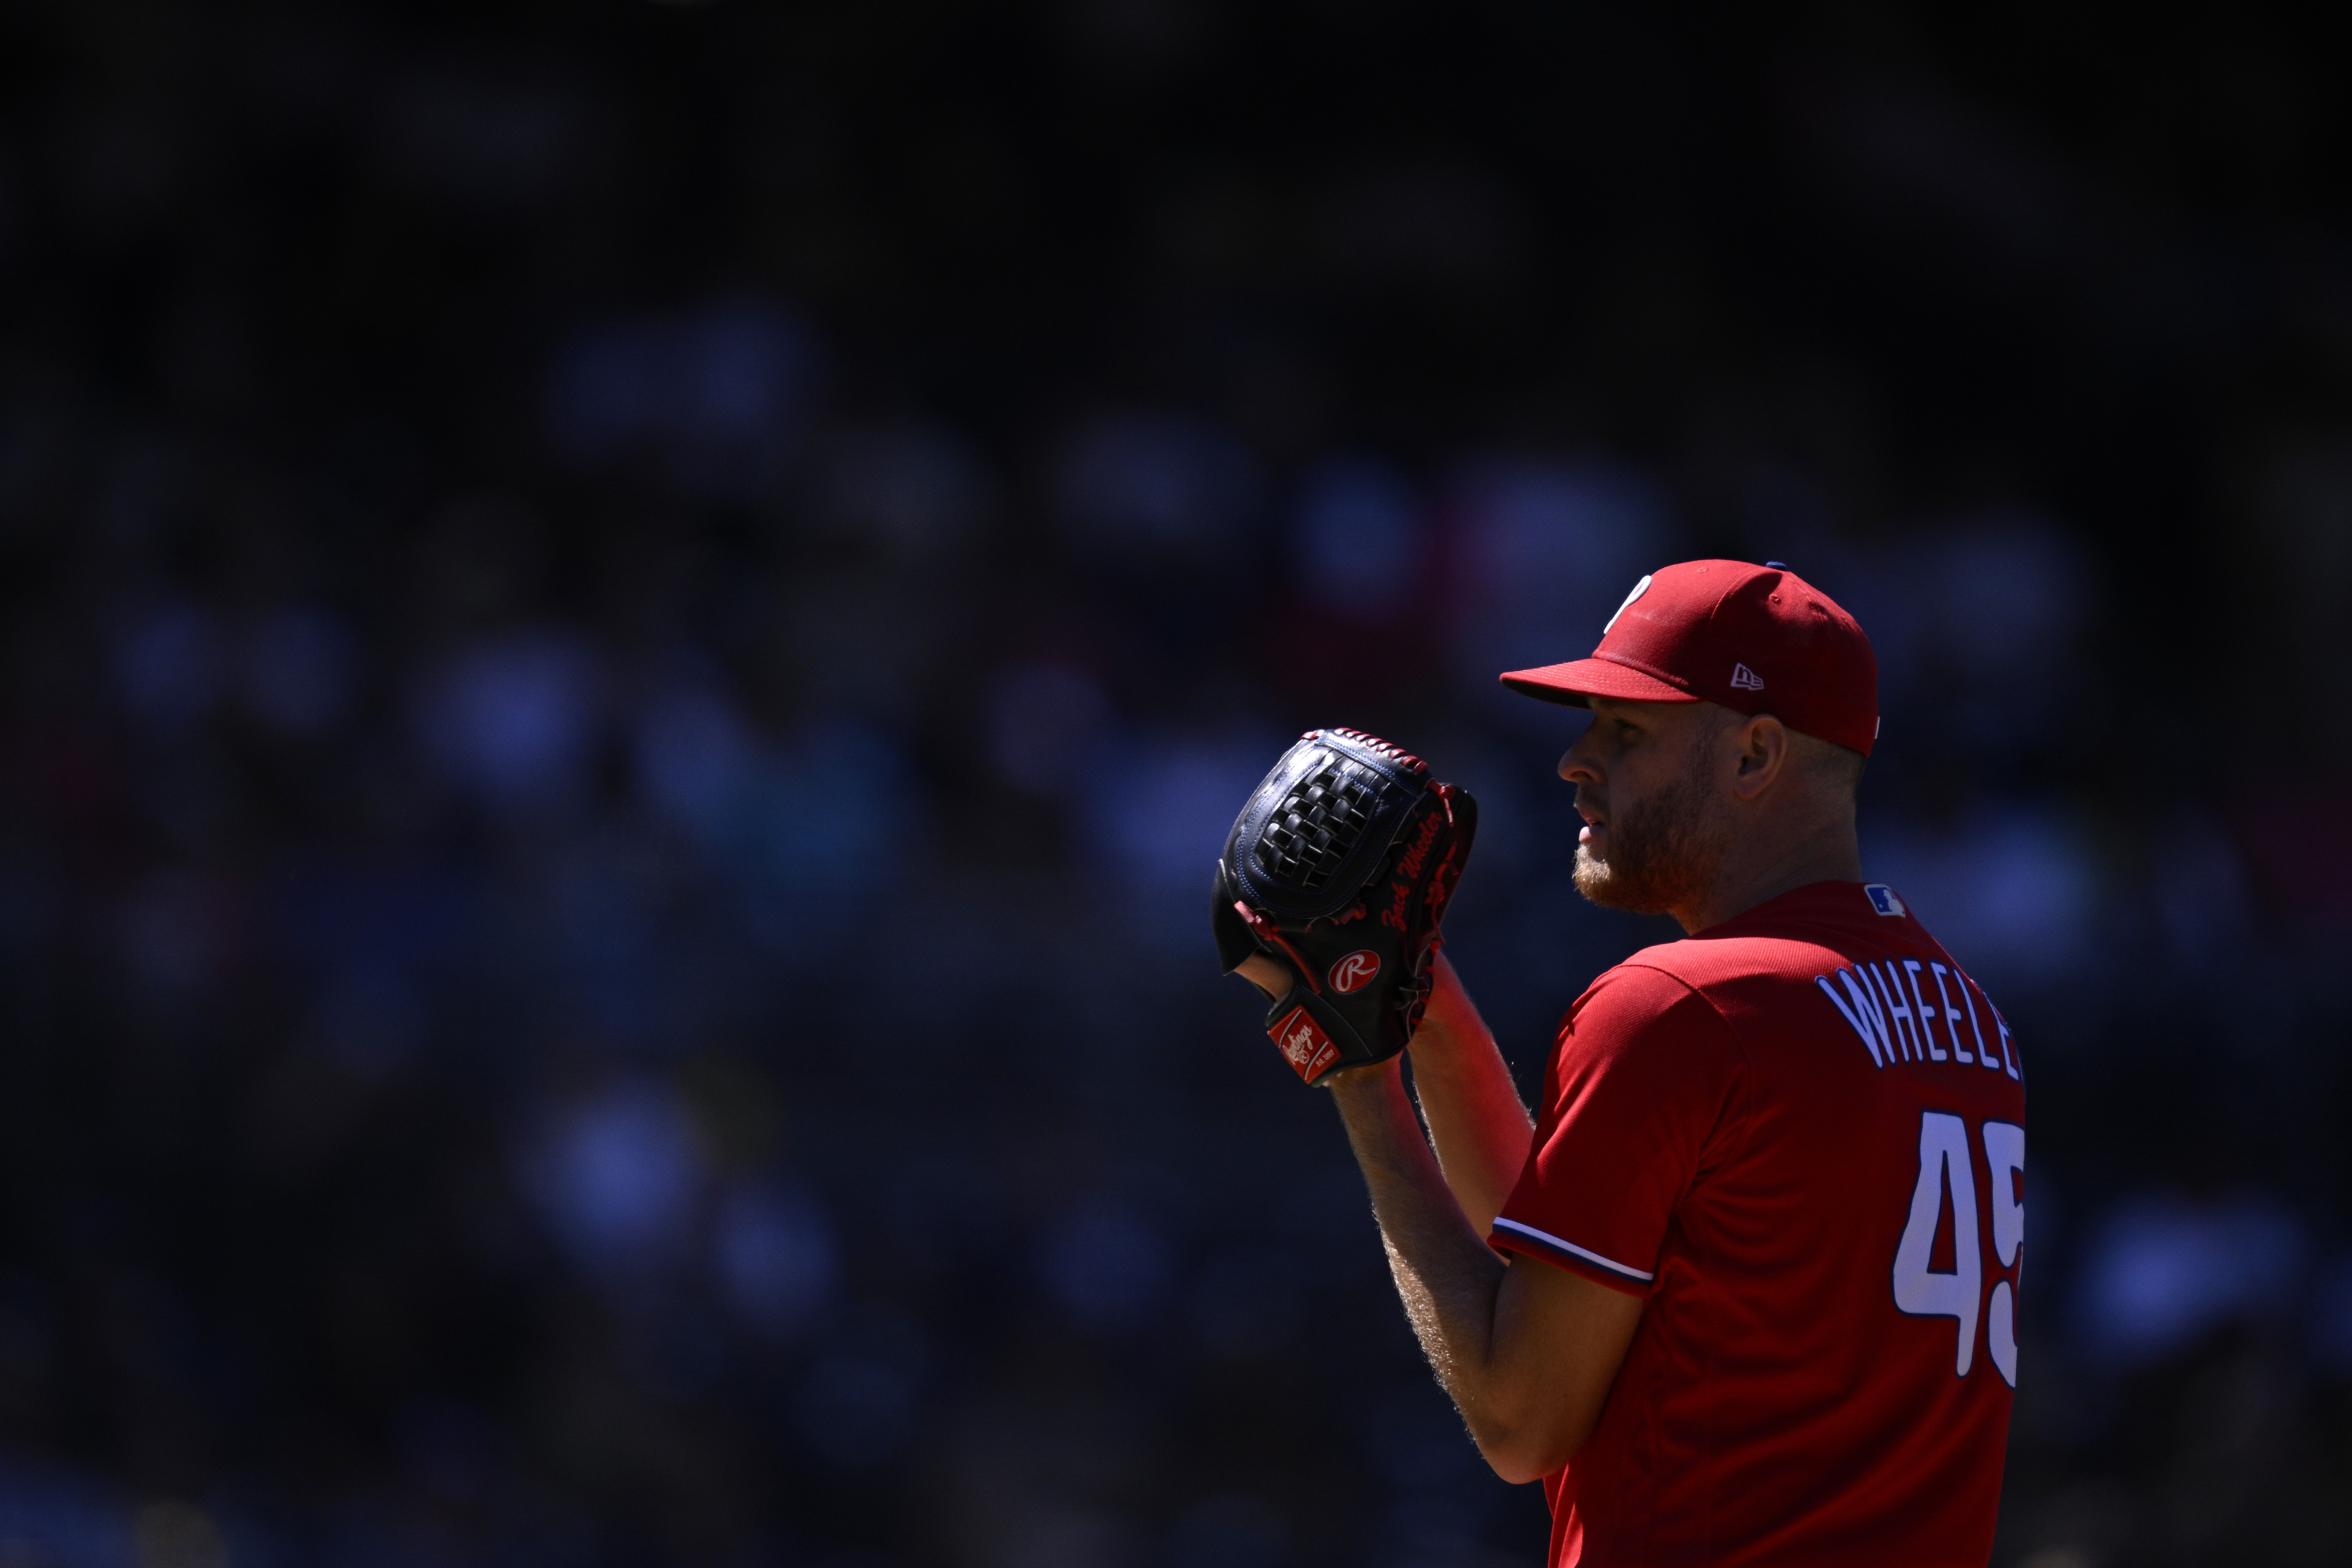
(1763,754)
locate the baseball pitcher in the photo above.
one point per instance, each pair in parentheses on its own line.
(1744,1289)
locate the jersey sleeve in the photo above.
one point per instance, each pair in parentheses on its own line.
(1643,1089)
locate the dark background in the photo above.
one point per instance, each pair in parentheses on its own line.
(629,631)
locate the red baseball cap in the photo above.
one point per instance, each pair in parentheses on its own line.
(1758,639)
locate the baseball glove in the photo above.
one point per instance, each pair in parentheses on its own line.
(1340,868)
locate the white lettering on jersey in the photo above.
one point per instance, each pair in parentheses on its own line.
(1951,1018)
(2004,1146)
(1903,1019)
(2009,1057)
(1863,1008)
(1893,1030)
(1925,1014)
(1945,1167)
(1975,1030)
(1882,1003)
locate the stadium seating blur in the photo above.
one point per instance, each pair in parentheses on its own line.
(630,629)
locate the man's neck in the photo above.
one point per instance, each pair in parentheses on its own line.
(1829,853)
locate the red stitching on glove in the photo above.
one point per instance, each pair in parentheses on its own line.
(1385,748)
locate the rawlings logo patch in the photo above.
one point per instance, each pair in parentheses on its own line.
(1303,1042)
(1355,971)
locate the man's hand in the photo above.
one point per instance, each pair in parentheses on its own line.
(1340,868)
(1266,974)
(1482,1132)
(1527,1350)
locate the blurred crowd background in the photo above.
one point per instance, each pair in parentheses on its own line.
(629,632)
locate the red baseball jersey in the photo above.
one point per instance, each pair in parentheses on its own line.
(1800,1135)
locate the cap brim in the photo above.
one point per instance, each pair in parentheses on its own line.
(1573,682)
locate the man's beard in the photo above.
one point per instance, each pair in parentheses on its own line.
(1663,851)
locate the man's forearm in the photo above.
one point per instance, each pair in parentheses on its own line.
(1527,1351)
(1482,1131)
(1447,1274)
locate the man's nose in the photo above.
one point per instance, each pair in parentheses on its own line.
(1574,766)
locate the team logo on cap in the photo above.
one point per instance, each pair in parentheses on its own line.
(1746,679)
(1355,971)
(1640,588)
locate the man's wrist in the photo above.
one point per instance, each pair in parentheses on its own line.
(1449,1011)
(1362,1078)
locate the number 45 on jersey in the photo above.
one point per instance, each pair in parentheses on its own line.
(1946,1165)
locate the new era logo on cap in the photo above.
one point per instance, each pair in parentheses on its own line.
(1746,679)
(1882,898)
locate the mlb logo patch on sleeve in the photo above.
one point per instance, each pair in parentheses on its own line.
(1882,898)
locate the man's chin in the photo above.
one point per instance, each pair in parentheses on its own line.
(1601,886)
